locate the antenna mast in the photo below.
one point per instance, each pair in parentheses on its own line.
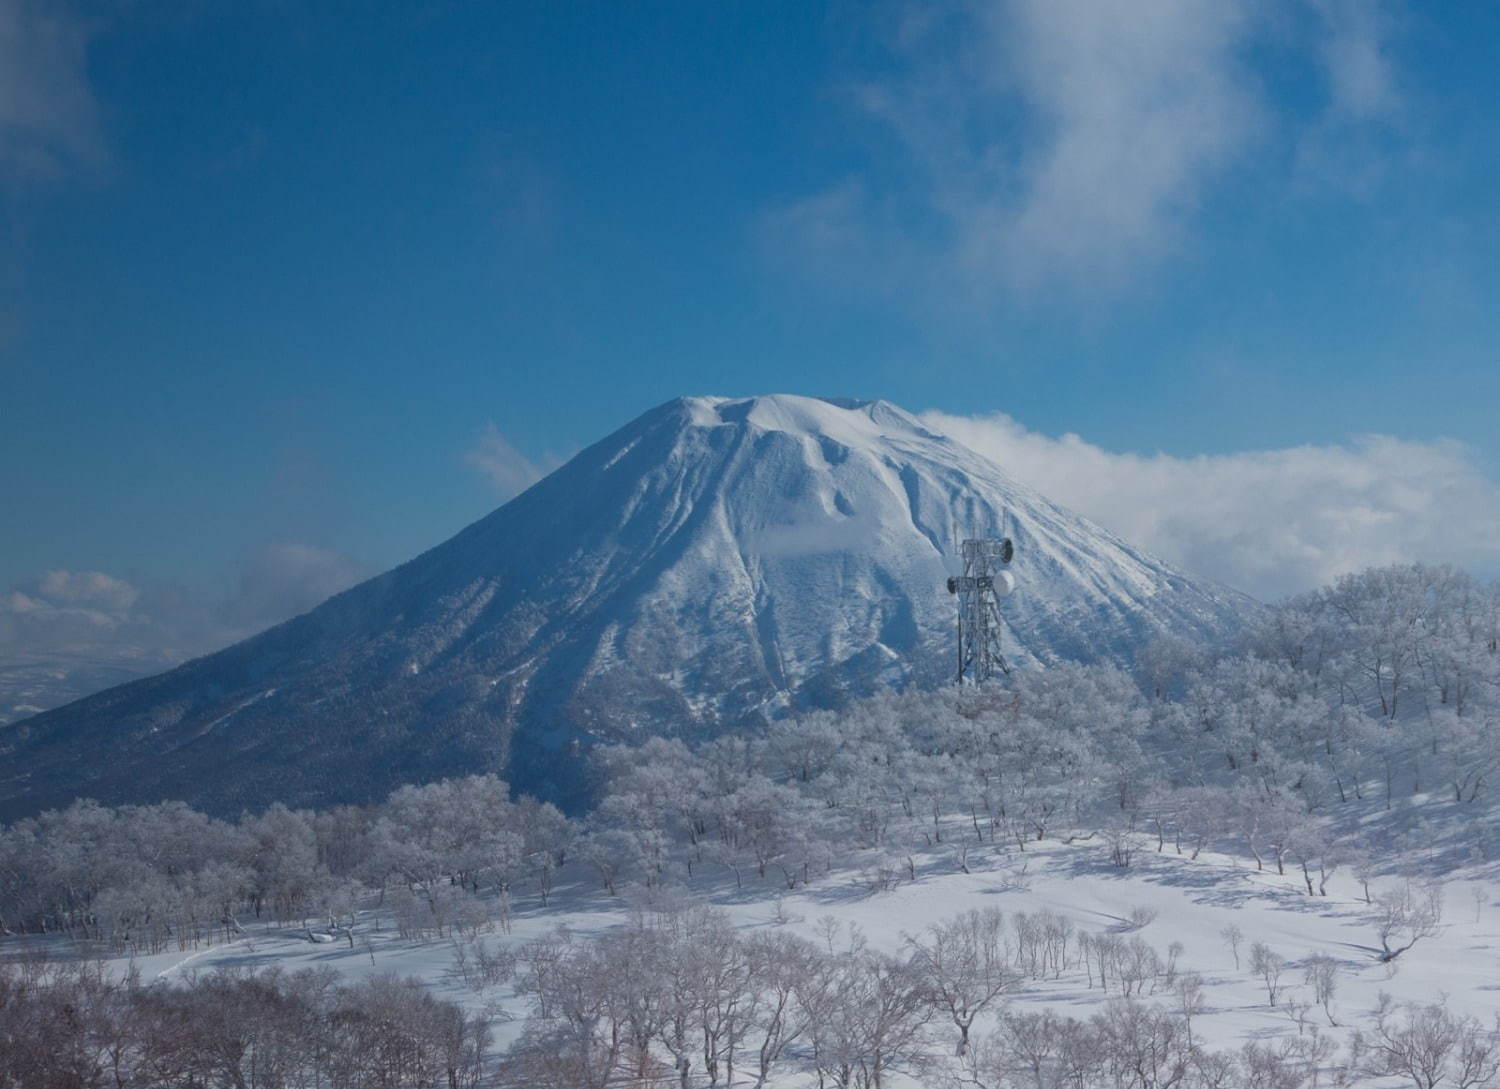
(979,590)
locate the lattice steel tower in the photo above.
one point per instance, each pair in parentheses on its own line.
(979,590)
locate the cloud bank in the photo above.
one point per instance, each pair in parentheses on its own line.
(1269,522)
(92,612)
(66,633)
(95,614)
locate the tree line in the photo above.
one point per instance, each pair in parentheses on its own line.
(1388,681)
(75,1025)
(1383,685)
(143,879)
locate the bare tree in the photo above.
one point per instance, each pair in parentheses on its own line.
(1268,964)
(1142,1045)
(782,968)
(1140,917)
(964,967)
(1189,999)
(1233,936)
(866,1019)
(1038,1049)
(1428,1045)
(1322,974)
(1296,1008)
(1136,963)
(1407,914)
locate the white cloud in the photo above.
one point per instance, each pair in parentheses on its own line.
(1356,48)
(90,612)
(1046,144)
(508,470)
(88,590)
(49,119)
(1270,522)
(1137,108)
(1347,147)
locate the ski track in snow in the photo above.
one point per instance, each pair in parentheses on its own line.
(218,953)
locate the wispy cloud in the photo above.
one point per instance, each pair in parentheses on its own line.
(50,129)
(285,579)
(1047,145)
(1346,146)
(508,471)
(1270,522)
(49,117)
(1356,43)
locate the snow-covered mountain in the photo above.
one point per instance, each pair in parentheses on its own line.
(704,567)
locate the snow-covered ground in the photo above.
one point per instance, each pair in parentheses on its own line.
(1193,901)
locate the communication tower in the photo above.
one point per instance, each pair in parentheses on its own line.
(979,590)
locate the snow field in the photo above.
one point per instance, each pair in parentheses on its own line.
(1186,901)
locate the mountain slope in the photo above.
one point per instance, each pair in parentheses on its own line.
(701,568)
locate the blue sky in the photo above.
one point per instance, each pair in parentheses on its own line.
(293,291)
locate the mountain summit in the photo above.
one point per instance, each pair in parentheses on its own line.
(705,567)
